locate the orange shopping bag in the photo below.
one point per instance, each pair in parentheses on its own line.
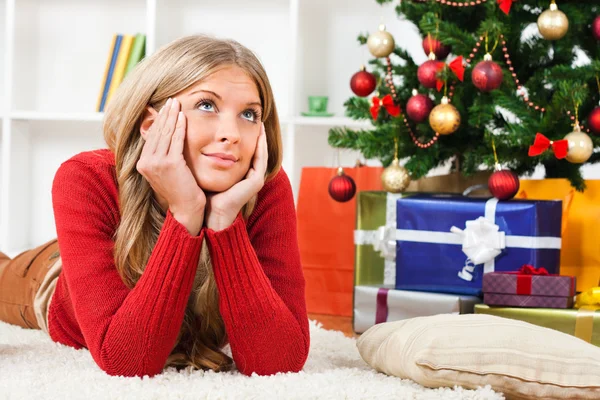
(326,237)
(580,252)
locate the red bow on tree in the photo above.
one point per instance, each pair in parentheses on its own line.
(530,270)
(542,143)
(505,5)
(455,66)
(388,104)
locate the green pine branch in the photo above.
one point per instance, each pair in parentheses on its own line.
(549,71)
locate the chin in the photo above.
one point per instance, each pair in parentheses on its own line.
(215,184)
(218,180)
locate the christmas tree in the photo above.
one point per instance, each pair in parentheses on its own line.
(508,70)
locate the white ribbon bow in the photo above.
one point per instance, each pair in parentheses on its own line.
(482,241)
(385,241)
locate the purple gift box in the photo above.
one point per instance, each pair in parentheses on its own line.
(516,300)
(529,287)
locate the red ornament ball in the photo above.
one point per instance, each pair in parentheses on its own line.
(596,28)
(418,107)
(594,121)
(342,187)
(363,83)
(431,44)
(487,76)
(427,73)
(504,184)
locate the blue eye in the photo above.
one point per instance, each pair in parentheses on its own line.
(249,115)
(206,106)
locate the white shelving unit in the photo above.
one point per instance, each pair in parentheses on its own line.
(53,55)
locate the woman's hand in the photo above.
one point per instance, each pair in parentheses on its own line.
(223,208)
(164,167)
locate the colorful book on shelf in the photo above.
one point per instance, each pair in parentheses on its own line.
(138,52)
(109,70)
(120,66)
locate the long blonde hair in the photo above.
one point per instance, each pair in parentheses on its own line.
(172,69)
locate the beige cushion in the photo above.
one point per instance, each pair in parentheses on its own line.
(521,360)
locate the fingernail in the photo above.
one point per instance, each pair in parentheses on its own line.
(174,103)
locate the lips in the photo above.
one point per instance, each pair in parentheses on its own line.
(223,156)
(221,160)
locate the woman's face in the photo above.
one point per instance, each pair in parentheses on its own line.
(223,113)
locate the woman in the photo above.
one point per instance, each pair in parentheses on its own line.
(181,236)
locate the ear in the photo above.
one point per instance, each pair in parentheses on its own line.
(150,116)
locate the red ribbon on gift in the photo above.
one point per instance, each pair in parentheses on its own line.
(388,104)
(455,66)
(381,313)
(505,5)
(542,143)
(524,278)
(531,270)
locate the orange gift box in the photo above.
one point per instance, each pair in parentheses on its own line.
(580,252)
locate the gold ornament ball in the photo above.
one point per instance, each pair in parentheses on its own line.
(580,146)
(395,178)
(553,23)
(381,43)
(444,118)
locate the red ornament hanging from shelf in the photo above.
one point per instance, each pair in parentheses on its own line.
(342,187)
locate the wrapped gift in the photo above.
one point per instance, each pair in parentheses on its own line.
(528,287)
(375,238)
(446,243)
(580,256)
(374,305)
(583,323)
(516,300)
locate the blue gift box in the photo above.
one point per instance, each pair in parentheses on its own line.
(436,232)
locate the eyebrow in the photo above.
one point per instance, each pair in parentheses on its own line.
(252,103)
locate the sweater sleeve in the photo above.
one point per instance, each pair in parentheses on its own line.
(261,285)
(129,332)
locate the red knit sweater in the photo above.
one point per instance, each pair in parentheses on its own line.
(131,332)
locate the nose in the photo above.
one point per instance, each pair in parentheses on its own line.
(228,130)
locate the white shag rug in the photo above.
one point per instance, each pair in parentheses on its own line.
(34,367)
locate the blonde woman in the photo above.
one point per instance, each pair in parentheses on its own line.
(181,236)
